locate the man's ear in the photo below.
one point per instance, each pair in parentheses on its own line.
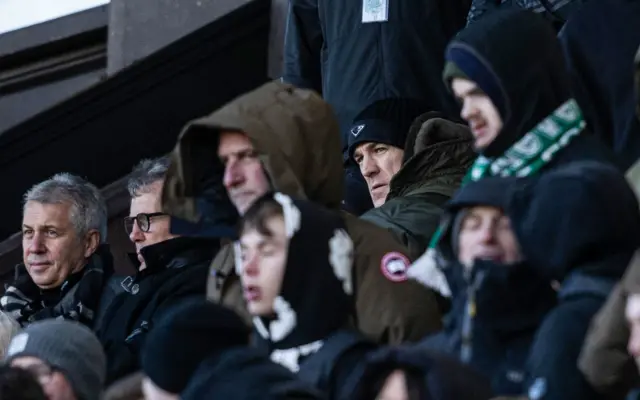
(91,243)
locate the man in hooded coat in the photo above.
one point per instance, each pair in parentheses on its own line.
(578,226)
(290,143)
(498,298)
(516,97)
(539,125)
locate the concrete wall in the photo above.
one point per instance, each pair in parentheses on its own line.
(141,27)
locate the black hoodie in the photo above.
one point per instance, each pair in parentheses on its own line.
(176,269)
(583,216)
(579,225)
(600,41)
(309,333)
(509,302)
(515,58)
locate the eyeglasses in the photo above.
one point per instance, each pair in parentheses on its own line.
(142,220)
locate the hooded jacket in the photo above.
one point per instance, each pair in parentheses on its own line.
(509,302)
(439,377)
(602,74)
(352,63)
(246,374)
(581,216)
(442,153)
(526,79)
(310,332)
(296,136)
(578,225)
(176,269)
(605,360)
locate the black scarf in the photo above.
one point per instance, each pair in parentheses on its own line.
(496,312)
(76,299)
(315,299)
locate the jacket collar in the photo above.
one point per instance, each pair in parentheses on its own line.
(175,253)
(442,150)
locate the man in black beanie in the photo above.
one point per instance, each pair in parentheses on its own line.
(191,332)
(377,139)
(413,163)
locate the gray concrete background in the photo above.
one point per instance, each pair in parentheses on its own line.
(138,28)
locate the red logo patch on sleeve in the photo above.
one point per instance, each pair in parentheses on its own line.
(394,266)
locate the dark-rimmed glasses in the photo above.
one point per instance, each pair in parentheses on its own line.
(143,220)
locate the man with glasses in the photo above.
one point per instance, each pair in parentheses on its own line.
(171,268)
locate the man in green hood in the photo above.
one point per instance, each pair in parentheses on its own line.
(286,139)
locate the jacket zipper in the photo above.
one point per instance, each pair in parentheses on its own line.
(466,346)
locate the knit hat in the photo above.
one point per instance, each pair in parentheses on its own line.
(451,71)
(385,121)
(460,56)
(68,346)
(185,336)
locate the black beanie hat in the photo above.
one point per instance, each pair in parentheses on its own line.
(385,121)
(186,335)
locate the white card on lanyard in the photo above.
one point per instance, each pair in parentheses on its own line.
(375,11)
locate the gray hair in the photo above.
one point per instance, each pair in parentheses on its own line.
(88,207)
(145,174)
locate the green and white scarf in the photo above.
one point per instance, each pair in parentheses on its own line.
(524,158)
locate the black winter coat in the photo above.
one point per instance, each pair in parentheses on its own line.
(177,269)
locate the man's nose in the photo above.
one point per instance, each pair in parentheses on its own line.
(37,244)
(488,233)
(368,167)
(467,110)
(136,234)
(250,265)
(232,177)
